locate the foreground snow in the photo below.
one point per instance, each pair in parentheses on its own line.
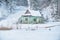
(40,34)
(29,35)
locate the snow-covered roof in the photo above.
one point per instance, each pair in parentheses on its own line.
(32,12)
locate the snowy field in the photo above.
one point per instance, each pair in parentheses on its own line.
(29,35)
(41,34)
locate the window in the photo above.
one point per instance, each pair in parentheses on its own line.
(34,19)
(26,19)
(21,21)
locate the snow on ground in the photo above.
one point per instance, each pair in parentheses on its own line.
(29,35)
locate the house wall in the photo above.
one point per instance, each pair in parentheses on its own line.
(31,20)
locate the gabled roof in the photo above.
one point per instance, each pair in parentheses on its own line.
(27,12)
(32,12)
